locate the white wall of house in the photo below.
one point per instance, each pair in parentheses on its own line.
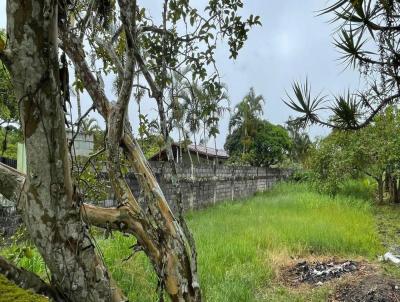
(83,144)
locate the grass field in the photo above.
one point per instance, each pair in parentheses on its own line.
(242,244)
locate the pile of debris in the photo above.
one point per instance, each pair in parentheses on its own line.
(320,272)
(375,288)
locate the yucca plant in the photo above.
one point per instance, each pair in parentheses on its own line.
(368,40)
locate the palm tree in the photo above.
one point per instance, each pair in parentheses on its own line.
(205,108)
(179,84)
(300,139)
(195,108)
(191,107)
(213,111)
(245,116)
(89,126)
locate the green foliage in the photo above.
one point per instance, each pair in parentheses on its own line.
(267,144)
(358,188)
(301,142)
(9,139)
(304,103)
(367,152)
(252,140)
(16,251)
(301,175)
(196,48)
(332,161)
(20,251)
(90,179)
(8,104)
(195,108)
(151,144)
(367,39)
(240,266)
(271,144)
(89,126)
(246,116)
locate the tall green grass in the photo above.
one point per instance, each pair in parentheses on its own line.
(236,240)
(239,244)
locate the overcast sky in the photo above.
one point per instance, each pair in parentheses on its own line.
(292,44)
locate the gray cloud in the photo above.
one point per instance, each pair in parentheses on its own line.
(292,43)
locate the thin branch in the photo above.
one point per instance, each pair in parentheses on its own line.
(382,105)
(111,52)
(78,124)
(74,49)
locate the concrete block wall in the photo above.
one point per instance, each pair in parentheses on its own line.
(205,185)
(201,186)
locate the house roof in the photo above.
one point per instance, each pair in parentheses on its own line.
(201,149)
(208,151)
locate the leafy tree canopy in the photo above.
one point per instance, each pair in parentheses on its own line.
(301,142)
(267,145)
(9,139)
(370,151)
(8,104)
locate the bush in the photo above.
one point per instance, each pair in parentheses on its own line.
(301,176)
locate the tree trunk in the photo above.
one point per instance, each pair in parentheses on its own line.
(216,152)
(78,102)
(387,181)
(195,147)
(163,238)
(189,155)
(51,217)
(380,190)
(185,265)
(393,190)
(180,145)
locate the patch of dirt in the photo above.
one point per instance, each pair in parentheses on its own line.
(373,288)
(318,272)
(349,281)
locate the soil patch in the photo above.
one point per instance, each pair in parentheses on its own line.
(374,288)
(318,272)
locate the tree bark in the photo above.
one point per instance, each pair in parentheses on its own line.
(189,154)
(195,147)
(380,190)
(51,217)
(393,189)
(162,237)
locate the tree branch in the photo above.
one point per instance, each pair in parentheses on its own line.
(28,280)
(11,183)
(382,105)
(78,124)
(128,18)
(122,218)
(108,47)
(74,49)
